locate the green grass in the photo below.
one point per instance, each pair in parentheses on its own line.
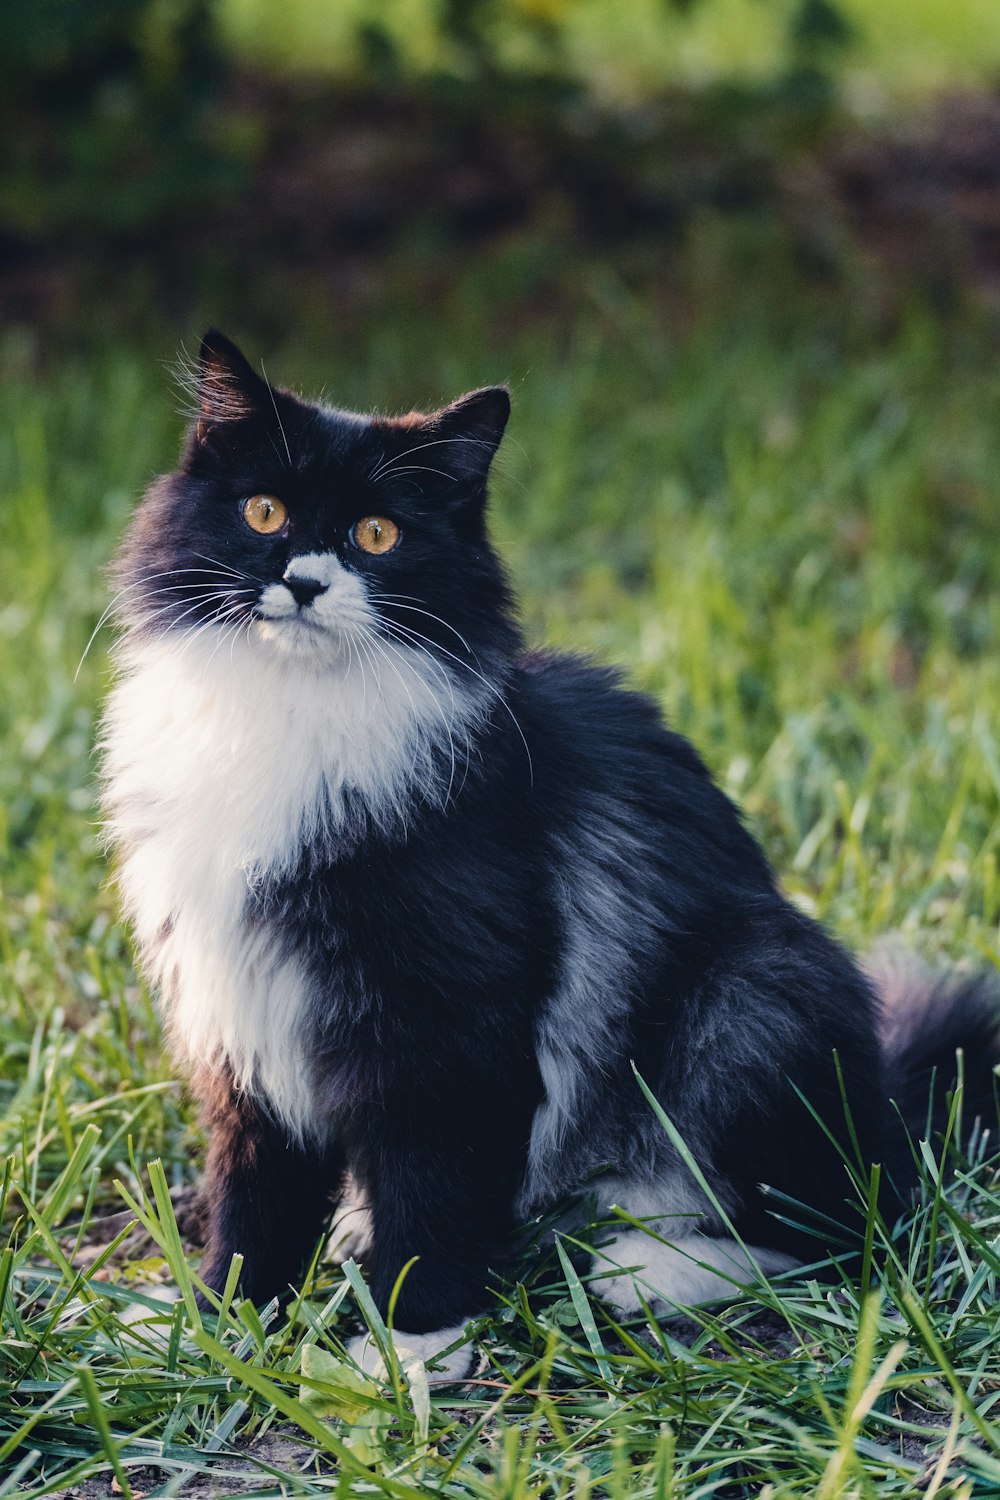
(624,53)
(779,515)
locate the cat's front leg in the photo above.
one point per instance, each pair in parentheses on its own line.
(268,1195)
(441,1196)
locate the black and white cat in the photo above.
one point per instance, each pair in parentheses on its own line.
(416,901)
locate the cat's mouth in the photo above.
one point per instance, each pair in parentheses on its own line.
(303,624)
(304,633)
(303,619)
(307,618)
(318,609)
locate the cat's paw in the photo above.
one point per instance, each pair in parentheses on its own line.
(696,1268)
(409,1347)
(141,1312)
(351,1233)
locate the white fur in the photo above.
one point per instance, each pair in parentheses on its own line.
(352,1231)
(697,1264)
(606,916)
(674,1206)
(692,1268)
(416,1346)
(141,1312)
(338,614)
(224,756)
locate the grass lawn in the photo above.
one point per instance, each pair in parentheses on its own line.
(781,518)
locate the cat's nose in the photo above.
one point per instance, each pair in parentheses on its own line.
(303,590)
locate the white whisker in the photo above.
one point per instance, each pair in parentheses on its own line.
(190,610)
(411,469)
(232,620)
(396,599)
(235,572)
(277,415)
(387,467)
(444,675)
(417,636)
(448,723)
(128,588)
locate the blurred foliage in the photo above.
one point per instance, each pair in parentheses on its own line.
(114,118)
(103,110)
(559,50)
(623,55)
(120,116)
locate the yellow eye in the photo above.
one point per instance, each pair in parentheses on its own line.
(375,534)
(265,513)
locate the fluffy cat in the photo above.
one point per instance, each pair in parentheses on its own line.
(416,901)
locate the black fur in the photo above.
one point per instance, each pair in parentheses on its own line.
(586,898)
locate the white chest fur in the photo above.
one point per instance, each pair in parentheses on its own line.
(220,765)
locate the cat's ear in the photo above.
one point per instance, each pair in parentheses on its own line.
(466,435)
(228,388)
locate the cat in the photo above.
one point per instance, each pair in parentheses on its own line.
(420,904)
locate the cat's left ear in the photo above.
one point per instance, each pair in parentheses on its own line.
(466,434)
(229,389)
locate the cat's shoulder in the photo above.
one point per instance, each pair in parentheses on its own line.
(597,707)
(564,677)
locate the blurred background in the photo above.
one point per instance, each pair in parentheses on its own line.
(739,261)
(158,152)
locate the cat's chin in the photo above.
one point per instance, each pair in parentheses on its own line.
(303,642)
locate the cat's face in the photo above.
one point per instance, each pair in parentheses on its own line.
(302,531)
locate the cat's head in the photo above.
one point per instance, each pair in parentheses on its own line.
(302,531)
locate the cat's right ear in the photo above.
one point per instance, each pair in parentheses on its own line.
(228,389)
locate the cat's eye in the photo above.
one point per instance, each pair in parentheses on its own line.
(375,534)
(265,513)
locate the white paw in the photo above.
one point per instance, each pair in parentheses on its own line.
(351,1233)
(140,1312)
(693,1269)
(411,1347)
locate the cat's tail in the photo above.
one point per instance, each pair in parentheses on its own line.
(935,1029)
